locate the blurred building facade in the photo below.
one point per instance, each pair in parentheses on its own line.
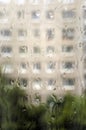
(42,45)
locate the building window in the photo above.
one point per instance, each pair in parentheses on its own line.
(84,48)
(68,82)
(23,68)
(68,65)
(22,33)
(37,98)
(23,82)
(36,67)
(10,81)
(36,50)
(3,16)
(67,48)
(50,14)
(7,68)
(84,83)
(68,14)
(50,84)
(5,33)
(50,67)
(84,31)
(50,34)
(36,33)
(84,13)
(6,51)
(68,33)
(36,14)
(23,49)
(20,14)
(50,50)
(84,64)
(37,84)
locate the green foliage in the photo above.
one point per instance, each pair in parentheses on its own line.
(16,113)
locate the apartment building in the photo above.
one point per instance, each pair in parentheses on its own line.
(41,45)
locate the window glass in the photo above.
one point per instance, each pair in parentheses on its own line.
(4,16)
(22,33)
(68,65)
(50,67)
(37,84)
(20,14)
(22,67)
(50,50)
(36,14)
(36,50)
(50,34)
(6,51)
(50,84)
(84,13)
(5,33)
(36,33)
(67,48)
(23,49)
(68,82)
(7,68)
(50,14)
(68,14)
(23,82)
(68,33)
(36,67)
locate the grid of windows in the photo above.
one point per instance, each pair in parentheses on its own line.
(49,66)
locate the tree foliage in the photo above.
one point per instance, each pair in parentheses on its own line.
(58,113)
